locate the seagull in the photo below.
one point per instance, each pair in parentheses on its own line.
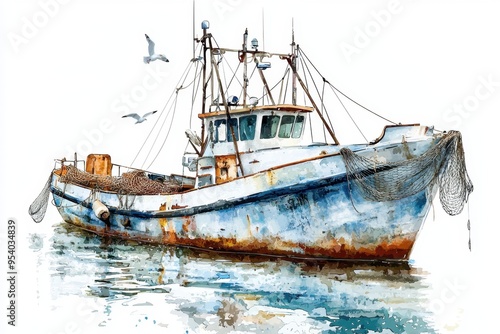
(139,118)
(152,55)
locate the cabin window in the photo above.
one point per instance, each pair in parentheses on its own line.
(223,132)
(234,124)
(286,126)
(211,130)
(269,126)
(247,127)
(220,130)
(297,127)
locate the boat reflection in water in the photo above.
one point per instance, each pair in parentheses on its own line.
(135,285)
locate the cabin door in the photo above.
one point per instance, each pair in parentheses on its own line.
(226,168)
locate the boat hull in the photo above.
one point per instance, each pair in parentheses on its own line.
(320,219)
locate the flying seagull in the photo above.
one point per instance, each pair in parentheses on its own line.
(152,55)
(139,118)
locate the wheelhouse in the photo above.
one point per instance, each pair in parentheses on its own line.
(241,134)
(255,128)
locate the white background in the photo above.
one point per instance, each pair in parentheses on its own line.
(65,67)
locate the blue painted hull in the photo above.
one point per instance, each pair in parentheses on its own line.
(320,218)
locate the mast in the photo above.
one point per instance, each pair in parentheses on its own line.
(263,33)
(294,64)
(205,25)
(266,86)
(226,106)
(244,59)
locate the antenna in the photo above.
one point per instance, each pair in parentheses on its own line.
(194,37)
(263,44)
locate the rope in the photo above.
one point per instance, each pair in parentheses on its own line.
(179,84)
(338,90)
(172,109)
(317,92)
(195,90)
(349,114)
(168,133)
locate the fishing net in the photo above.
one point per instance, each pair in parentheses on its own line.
(131,183)
(444,164)
(38,208)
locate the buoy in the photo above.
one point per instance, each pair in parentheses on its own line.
(100,210)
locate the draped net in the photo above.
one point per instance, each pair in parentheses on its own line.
(131,183)
(443,164)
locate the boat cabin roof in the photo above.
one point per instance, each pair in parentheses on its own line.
(278,107)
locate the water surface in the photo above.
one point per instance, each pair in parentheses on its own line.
(97,283)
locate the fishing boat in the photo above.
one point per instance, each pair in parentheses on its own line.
(257,181)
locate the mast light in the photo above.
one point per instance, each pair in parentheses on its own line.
(255,43)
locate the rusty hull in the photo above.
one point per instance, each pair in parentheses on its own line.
(397,248)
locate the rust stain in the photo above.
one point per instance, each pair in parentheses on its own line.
(125,222)
(247,296)
(163,223)
(397,248)
(160,277)
(170,230)
(188,224)
(226,168)
(270,177)
(249,226)
(61,171)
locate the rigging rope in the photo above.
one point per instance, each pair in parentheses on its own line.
(174,93)
(194,93)
(339,91)
(349,114)
(319,95)
(232,71)
(168,133)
